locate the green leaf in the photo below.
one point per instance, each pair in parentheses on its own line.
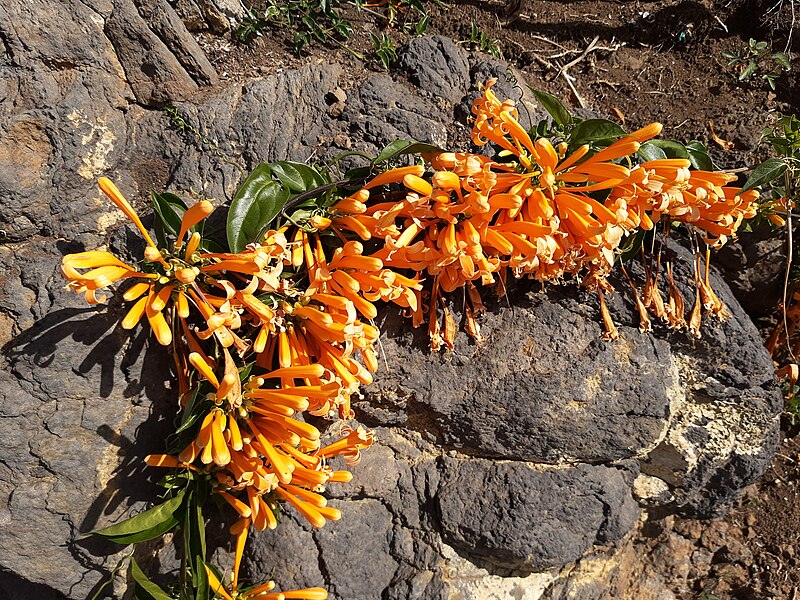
(400,147)
(358,173)
(148,534)
(698,156)
(631,245)
(592,130)
(147,522)
(200,580)
(146,589)
(194,533)
(553,106)
(168,210)
(257,202)
(672,149)
(751,68)
(769,170)
(649,151)
(782,60)
(297,177)
(198,408)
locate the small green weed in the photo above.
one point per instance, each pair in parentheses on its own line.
(409,16)
(479,40)
(383,48)
(311,20)
(757,60)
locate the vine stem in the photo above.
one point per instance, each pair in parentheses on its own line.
(787,180)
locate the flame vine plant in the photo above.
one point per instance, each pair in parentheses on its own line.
(278,326)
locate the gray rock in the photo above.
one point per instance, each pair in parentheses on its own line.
(436,65)
(217,15)
(161,19)
(514,516)
(157,72)
(76,428)
(383,110)
(542,386)
(726,391)
(754,267)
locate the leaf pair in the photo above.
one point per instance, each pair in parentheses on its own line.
(147,525)
(262,196)
(694,151)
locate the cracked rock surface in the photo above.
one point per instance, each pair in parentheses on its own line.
(514,468)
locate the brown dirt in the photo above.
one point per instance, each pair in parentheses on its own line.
(653,61)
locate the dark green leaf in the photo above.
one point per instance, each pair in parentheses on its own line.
(769,170)
(400,147)
(297,177)
(592,130)
(631,245)
(698,156)
(671,148)
(257,202)
(210,245)
(301,215)
(649,151)
(244,372)
(146,589)
(358,173)
(194,533)
(200,580)
(174,199)
(143,522)
(553,106)
(194,412)
(167,214)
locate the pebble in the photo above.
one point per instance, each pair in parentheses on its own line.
(342,141)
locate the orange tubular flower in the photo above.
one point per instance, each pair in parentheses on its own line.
(166,277)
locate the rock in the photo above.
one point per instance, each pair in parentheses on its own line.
(75,428)
(705,462)
(161,19)
(220,16)
(542,386)
(383,110)
(436,65)
(162,62)
(280,117)
(651,491)
(494,511)
(754,268)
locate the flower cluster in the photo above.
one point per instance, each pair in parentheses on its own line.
(230,313)
(276,337)
(536,211)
